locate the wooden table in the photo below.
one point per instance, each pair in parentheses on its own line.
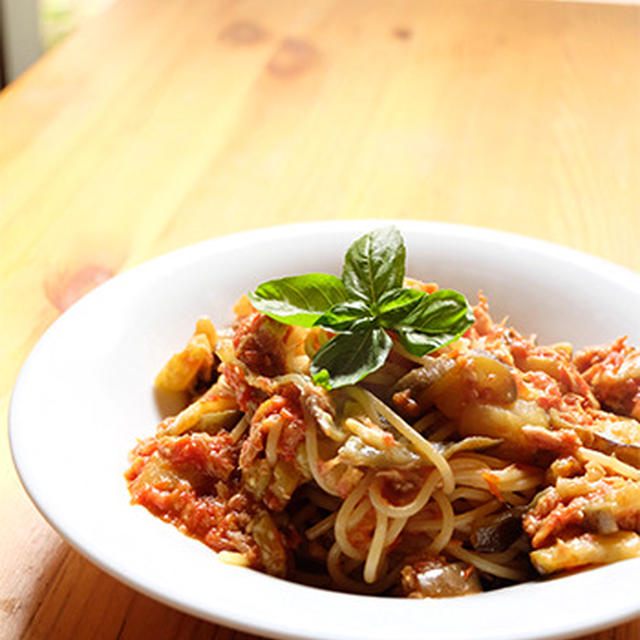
(165,122)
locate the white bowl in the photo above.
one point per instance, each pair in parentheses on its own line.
(85,395)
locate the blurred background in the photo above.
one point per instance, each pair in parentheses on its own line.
(31,27)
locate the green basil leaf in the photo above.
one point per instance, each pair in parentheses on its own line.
(441,311)
(349,357)
(345,316)
(419,344)
(396,304)
(374,264)
(299,300)
(436,320)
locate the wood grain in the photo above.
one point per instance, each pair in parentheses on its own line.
(163,123)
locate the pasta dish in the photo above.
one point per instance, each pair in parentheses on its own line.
(488,461)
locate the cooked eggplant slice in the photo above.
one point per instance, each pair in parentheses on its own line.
(497,532)
(494,379)
(450,384)
(272,550)
(356,452)
(411,392)
(213,422)
(613,435)
(506,423)
(435,578)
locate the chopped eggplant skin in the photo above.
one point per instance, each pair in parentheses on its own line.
(435,577)
(497,532)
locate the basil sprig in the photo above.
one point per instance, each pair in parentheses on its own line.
(365,308)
